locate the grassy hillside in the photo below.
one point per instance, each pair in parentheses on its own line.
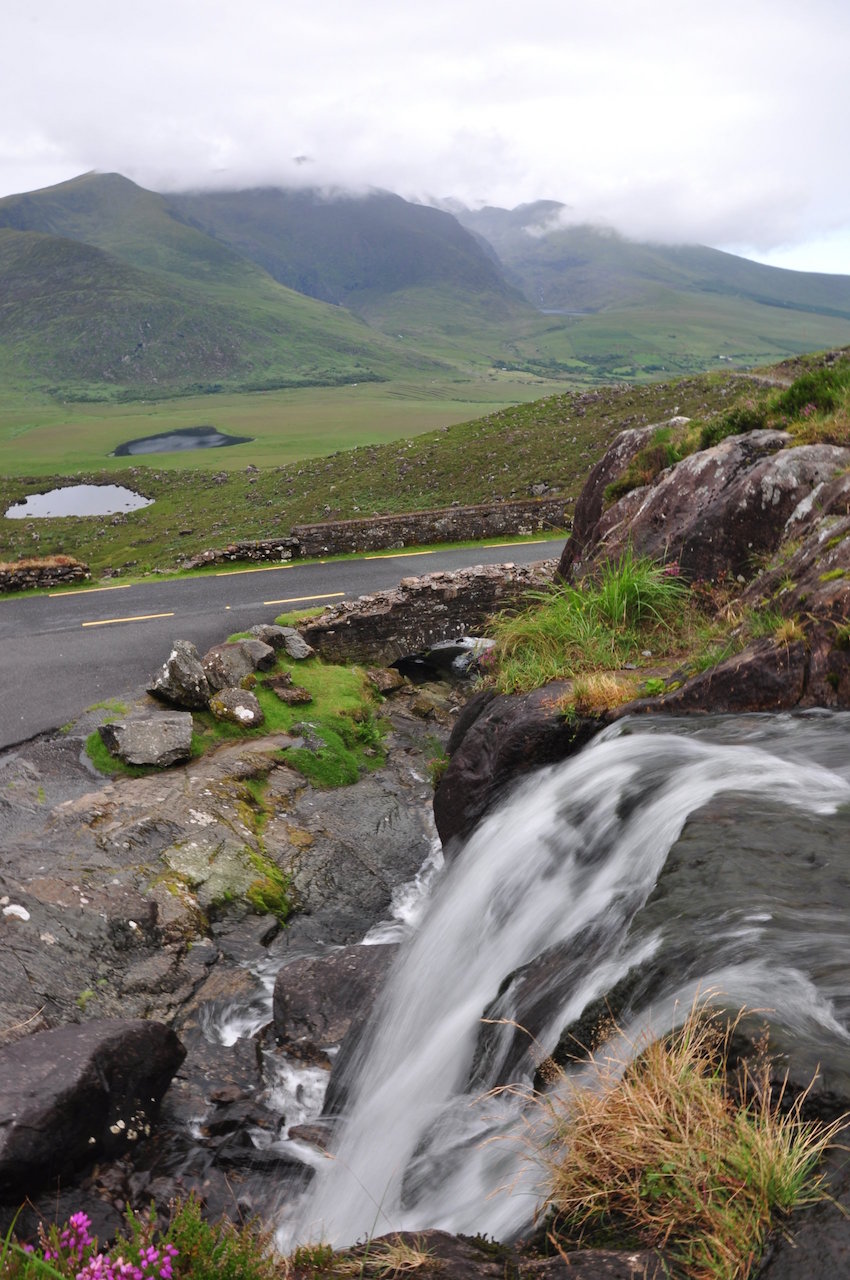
(553,441)
(237,248)
(78,322)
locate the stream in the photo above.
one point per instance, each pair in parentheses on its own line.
(700,855)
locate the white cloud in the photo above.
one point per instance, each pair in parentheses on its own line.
(677,120)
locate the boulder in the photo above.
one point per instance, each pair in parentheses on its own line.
(766,676)
(181,679)
(295,646)
(317,999)
(239,706)
(160,740)
(286,638)
(386,679)
(591,500)
(716,512)
(226,665)
(76,1093)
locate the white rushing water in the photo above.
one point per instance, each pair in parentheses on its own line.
(572,856)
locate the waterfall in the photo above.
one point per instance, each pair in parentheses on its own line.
(562,869)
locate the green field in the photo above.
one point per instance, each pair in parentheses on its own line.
(49,439)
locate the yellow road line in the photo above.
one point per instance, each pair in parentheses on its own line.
(141,617)
(89,591)
(398,555)
(265,568)
(326,595)
(527,542)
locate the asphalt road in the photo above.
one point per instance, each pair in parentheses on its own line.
(64,651)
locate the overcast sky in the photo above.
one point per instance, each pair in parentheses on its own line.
(722,122)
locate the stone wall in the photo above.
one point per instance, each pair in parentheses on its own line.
(545,516)
(420,528)
(270,549)
(28,574)
(421,612)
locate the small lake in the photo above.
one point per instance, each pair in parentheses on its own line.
(181,439)
(78,500)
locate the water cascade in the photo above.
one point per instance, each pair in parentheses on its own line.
(716,856)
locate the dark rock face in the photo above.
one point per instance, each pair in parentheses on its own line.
(181,680)
(317,999)
(159,740)
(765,677)
(498,739)
(77,1092)
(591,501)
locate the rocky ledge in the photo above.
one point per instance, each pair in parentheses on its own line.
(129,945)
(770,520)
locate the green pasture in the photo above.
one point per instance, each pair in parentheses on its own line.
(39,438)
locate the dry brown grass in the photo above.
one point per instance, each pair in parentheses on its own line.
(42,562)
(600,691)
(789,632)
(660,1148)
(389,1258)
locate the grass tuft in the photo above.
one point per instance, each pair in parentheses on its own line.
(569,631)
(661,1149)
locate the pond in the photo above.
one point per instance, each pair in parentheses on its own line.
(78,500)
(207,437)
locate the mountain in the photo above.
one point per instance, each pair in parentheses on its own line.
(108,290)
(103,286)
(581,268)
(347,249)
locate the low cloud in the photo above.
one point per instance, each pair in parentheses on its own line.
(668,123)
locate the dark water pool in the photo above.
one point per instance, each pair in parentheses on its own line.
(78,500)
(206,437)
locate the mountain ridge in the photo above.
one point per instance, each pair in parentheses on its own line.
(282,287)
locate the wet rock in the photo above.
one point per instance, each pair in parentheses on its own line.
(181,679)
(158,740)
(440,1254)
(74,1093)
(817,1246)
(317,999)
(238,706)
(226,665)
(500,738)
(766,676)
